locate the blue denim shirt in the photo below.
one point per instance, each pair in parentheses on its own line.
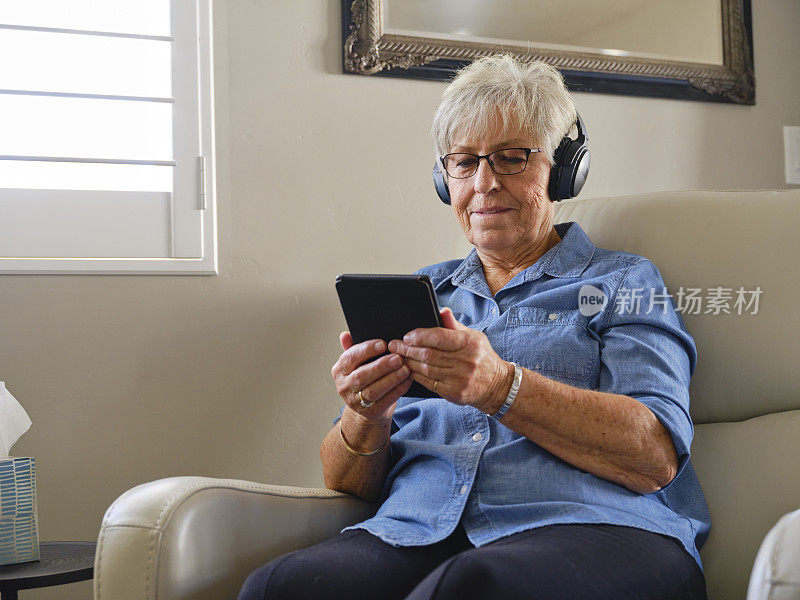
(451,462)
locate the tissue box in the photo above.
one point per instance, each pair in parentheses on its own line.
(19,523)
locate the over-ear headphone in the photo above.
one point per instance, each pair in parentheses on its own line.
(440,184)
(567,175)
(570,166)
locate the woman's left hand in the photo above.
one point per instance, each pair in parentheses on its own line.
(468,370)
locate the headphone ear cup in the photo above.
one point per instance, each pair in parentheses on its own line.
(556,169)
(573,168)
(580,172)
(440,184)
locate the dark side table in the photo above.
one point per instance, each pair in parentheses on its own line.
(60,562)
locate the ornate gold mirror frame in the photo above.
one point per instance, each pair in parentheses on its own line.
(370,51)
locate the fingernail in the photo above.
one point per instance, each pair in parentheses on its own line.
(379,345)
(395,360)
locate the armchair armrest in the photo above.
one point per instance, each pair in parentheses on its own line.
(198,538)
(776,571)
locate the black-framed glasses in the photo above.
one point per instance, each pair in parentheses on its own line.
(508,161)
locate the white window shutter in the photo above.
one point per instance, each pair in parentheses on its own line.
(102,173)
(186,208)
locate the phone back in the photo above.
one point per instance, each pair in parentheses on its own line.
(386,306)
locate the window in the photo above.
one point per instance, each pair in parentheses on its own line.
(106,137)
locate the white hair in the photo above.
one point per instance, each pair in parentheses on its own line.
(531,97)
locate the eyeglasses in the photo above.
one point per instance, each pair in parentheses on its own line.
(508,161)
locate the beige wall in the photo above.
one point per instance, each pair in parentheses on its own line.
(130,379)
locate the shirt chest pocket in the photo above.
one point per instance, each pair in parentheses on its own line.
(555,344)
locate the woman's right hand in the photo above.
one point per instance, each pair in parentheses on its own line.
(381,381)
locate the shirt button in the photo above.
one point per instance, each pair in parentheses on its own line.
(464,489)
(552,316)
(477,437)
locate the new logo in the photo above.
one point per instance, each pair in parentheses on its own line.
(591,300)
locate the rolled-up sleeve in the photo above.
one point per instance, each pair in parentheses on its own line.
(647,353)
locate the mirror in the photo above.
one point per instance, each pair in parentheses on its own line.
(690,49)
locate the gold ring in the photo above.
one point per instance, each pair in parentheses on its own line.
(435,383)
(364,403)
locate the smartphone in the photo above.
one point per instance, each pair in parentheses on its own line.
(386,307)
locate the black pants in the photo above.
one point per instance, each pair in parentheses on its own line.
(556,561)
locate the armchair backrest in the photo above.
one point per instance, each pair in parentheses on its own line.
(745,392)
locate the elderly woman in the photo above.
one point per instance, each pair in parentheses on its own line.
(555,464)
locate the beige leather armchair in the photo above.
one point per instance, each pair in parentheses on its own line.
(194,538)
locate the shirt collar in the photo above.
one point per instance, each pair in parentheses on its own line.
(568,258)
(571,255)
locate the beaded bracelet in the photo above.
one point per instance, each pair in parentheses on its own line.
(353,451)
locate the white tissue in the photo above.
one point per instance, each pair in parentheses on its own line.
(14,421)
